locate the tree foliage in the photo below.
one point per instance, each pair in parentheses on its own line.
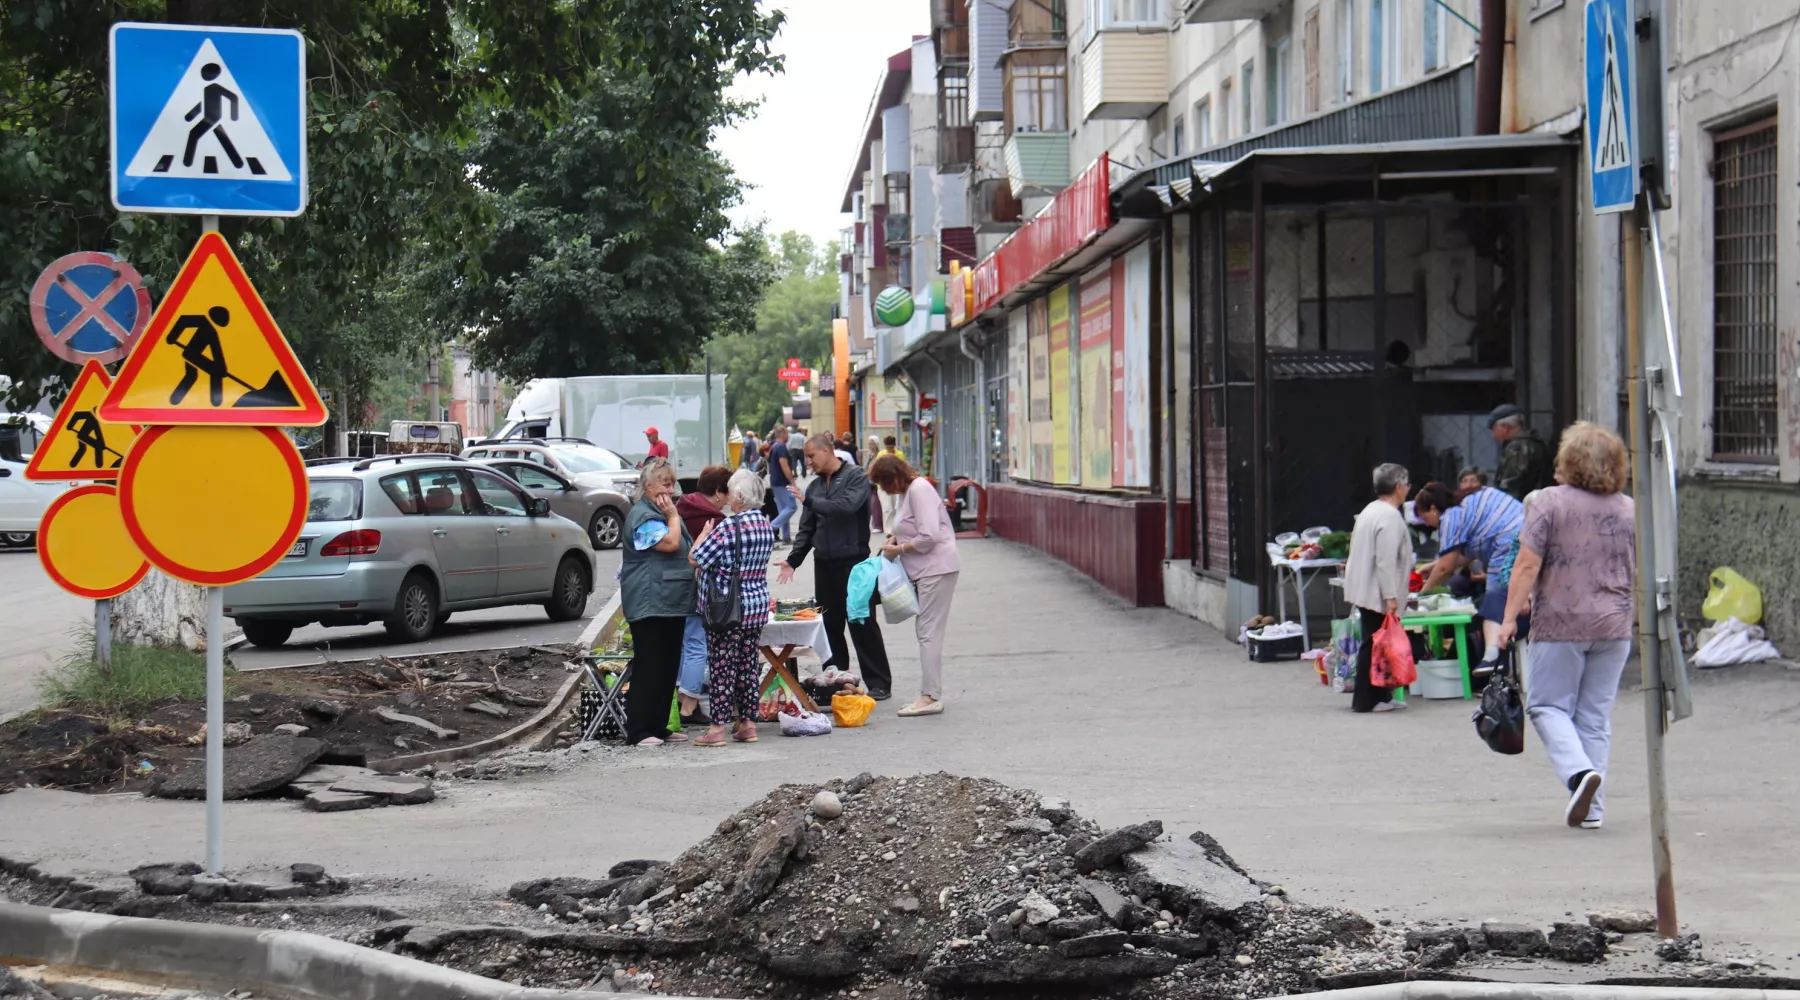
(792,321)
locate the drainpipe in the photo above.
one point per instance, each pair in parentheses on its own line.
(1490,68)
(981,428)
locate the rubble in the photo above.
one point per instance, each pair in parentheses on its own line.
(1623,921)
(1577,943)
(262,765)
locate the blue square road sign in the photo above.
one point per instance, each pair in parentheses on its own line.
(208,120)
(1611,105)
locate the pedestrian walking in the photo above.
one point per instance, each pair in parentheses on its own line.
(1375,579)
(698,509)
(781,476)
(1525,463)
(834,524)
(925,543)
(655,446)
(752,455)
(739,544)
(656,595)
(1576,565)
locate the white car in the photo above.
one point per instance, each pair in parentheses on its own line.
(22,502)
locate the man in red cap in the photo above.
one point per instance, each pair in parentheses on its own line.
(658,447)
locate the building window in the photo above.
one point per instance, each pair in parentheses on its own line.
(956,136)
(1346,49)
(1434,34)
(1179,136)
(1280,59)
(1107,14)
(1249,91)
(1203,129)
(1225,123)
(1037,86)
(1744,425)
(1309,57)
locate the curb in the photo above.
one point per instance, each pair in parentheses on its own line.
(290,964)
(605,622)
(1446,990)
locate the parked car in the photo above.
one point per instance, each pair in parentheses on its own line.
(601,508)
(22,502)
(408,540)
(575,459)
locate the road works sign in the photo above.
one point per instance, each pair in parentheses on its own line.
(213,355)
(1611,105)
(81,446)
(89,305)
(208,120)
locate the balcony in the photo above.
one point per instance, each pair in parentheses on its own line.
(1204,11)
(1124,75)
(1037,160)
(956,146)
(896,229)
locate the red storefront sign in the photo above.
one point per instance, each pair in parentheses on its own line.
(1077,214)
(794,374)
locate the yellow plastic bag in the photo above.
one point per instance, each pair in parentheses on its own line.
(848,710)
(1732,596)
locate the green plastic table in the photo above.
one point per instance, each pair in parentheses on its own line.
(1434,620)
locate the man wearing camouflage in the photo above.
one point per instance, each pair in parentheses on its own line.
(1525,460)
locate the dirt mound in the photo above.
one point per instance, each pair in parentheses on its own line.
(932,881)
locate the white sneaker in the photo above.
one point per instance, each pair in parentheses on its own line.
(1581,798)
(1590,824)
(1390,706)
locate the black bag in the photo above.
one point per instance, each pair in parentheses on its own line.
(725,605)
(1500,721)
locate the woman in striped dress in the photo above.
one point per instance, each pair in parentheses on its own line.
(741,544)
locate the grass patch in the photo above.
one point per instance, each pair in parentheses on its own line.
(140,675)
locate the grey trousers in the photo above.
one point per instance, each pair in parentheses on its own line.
(930,625)
(1570,690)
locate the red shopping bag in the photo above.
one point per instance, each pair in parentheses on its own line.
(1391,662)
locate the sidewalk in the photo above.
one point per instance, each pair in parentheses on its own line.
(1131,714)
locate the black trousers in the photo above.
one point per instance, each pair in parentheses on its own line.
(1366,695)
(655,664)
(831,588)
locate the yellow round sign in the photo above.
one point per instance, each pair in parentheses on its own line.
(84,546)
(214,505)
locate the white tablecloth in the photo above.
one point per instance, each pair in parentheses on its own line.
(803,632)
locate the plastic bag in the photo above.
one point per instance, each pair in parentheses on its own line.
(851,710)
(898,599)
(1391,665)
(805,724)
(1732,596)
(1734,642)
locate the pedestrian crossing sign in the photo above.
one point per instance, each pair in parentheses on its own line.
(213,355)
(1611,105)
(80,445)
(208,120)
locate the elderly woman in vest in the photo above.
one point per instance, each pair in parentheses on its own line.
(656,593)
(1381,561)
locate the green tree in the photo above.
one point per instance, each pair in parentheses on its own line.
(792,321)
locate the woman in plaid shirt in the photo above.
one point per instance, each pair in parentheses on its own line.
(741,544)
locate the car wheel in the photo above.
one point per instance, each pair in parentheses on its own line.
(570,597)
(23,539)
(266,634)
(415,612)
(606,528)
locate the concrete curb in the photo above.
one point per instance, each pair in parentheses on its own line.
(1435,990)
(290,964)
(605,622)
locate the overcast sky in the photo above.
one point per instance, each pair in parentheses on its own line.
(796,154)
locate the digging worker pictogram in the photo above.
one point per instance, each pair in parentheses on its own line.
(211,110)
(201,354)
(90,434)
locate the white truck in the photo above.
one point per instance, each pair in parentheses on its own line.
(613,411)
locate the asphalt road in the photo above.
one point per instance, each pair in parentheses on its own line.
(40,625)
(494,628)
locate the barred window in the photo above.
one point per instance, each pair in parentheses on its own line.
(1744,327)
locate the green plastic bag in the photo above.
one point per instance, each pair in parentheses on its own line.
(675,714)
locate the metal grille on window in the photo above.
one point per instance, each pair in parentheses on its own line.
(1744,327)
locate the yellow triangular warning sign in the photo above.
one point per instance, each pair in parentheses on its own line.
(80,445)
(213,355)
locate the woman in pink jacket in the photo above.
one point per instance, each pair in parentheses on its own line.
(920,536)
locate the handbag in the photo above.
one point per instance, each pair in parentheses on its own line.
(1500,718)
(725,605)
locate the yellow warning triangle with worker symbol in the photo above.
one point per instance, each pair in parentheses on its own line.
(81,445)
(213,355)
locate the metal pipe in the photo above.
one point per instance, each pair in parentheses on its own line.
(1489,69)
(215,730)
(103,635)
(1259,393)
(1171,397)
(1196,463)
(1423,175)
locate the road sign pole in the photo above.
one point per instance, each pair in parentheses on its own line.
(215,730)
(103,635)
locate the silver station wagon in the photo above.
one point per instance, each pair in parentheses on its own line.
(407,540)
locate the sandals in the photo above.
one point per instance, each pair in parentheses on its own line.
(676,737)
(648,741)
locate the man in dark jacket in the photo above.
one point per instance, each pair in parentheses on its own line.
(1525,460)
(834,525)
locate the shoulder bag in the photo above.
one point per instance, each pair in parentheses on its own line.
(1500,719)
(725,605)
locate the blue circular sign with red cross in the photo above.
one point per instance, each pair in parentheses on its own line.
(90,306)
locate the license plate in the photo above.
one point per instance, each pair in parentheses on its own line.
(299,550)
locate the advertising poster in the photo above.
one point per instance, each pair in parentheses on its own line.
(1061,417)
(1118,371)
(1137,366)
(1039,325)
(1096,379)
(1018,367)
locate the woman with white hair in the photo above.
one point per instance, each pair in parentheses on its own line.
(740,546)
(1375,578)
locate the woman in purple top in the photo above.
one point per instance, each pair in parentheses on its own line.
(922,538)
(740,544)
(1577,560)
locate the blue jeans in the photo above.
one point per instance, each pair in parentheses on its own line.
(784,509)
(693,658)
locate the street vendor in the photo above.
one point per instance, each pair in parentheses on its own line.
(1480,525)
